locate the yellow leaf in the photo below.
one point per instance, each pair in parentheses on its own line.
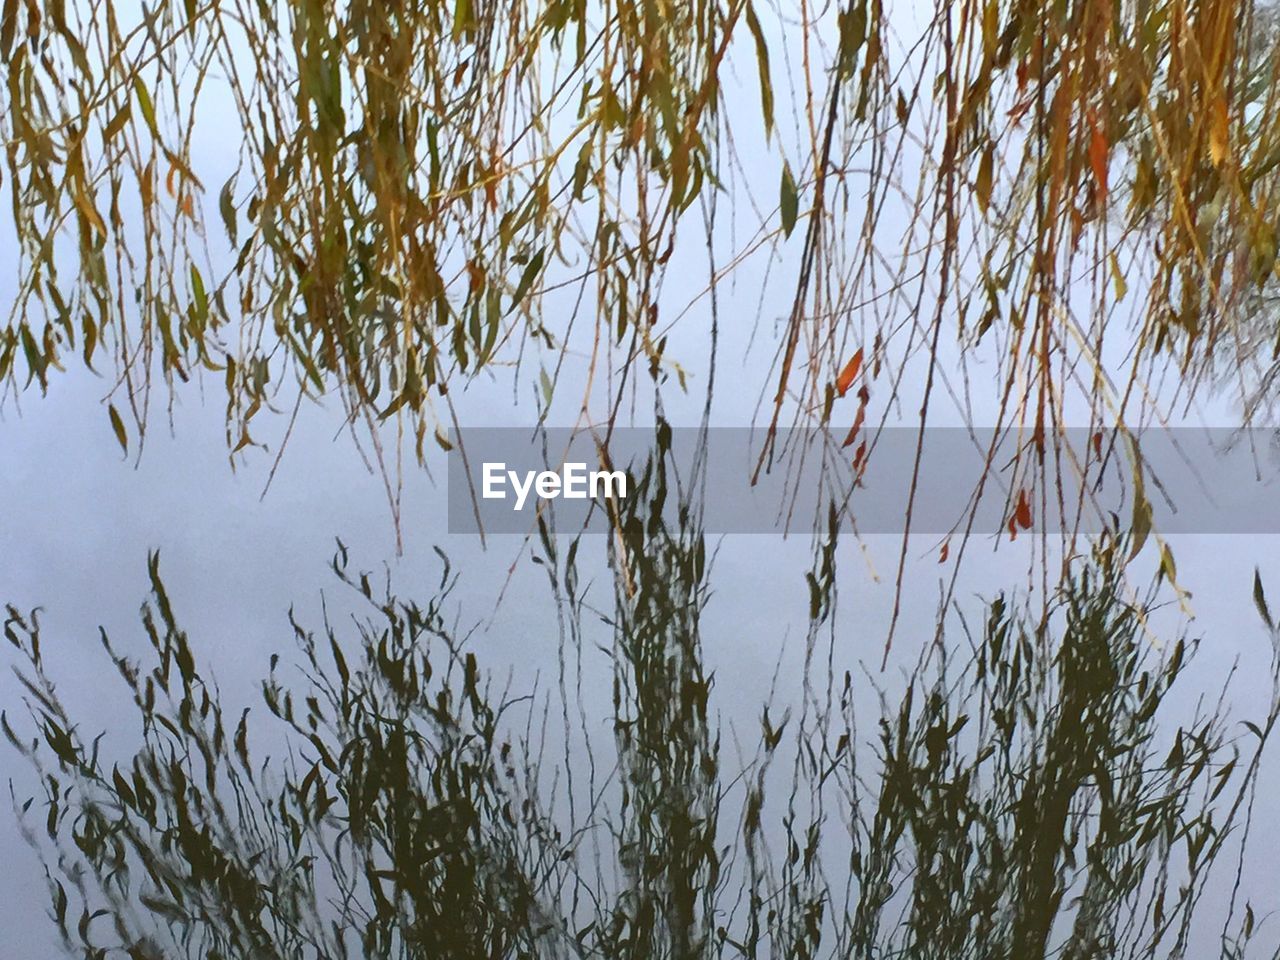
(1116,275)
(986,169)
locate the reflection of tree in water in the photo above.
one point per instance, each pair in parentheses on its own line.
(1026,791)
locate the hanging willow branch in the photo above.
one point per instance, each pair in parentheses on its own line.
(1079,195)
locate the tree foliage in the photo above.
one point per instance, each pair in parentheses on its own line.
(408,179)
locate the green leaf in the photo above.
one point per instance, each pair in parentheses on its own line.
(531,271)
(789,200)
(36,361)
(853,33)
(226,206)
(118,426)
(116,123)
(201,297)
(762,65)
(1260,600)
(461,18)
(90,330)
(393,406)
(145,104)
(493,320)
(1141,505)
(1141,523)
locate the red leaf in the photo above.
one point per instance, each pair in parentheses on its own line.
(945,551)
(849,373)
(1023,513)
(857,425)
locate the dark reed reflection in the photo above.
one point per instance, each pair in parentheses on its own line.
(1028,789)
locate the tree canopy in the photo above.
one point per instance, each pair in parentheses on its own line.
(1064,182)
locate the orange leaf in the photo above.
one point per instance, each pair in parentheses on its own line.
(849,373)
(146,183)
(1219,131)
(491,178)
(945,551)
